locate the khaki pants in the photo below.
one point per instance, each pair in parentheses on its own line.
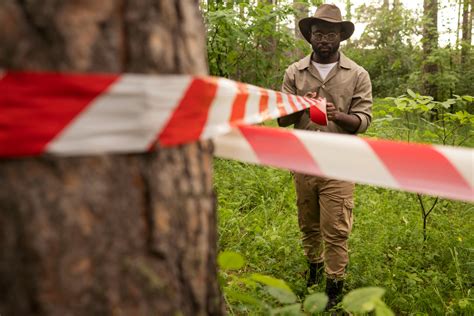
(325,219)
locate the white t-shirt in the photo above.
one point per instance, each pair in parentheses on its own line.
(323,69)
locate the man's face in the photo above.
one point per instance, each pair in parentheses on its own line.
(325,38)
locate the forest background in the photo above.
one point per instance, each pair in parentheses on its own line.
(419,249)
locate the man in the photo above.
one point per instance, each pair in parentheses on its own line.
(325,205)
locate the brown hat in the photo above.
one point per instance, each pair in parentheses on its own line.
(329,13)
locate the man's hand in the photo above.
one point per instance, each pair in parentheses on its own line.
(332,111)
(349,122)
(312,95)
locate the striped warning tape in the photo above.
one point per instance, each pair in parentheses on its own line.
(74,114)
(69,114)
(436,170)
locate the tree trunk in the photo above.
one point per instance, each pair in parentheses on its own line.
(466,33)
(348,17)
(112,234)
(301,12)
(430,42)
(471,21)
(459,25)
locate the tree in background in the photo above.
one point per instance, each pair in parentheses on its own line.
(239,37)
(386,48)
(389,48)
(301,9)
(466,59)
(112,234)
(430,43)
(466,31)
(348,17)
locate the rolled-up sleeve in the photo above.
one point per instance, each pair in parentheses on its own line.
(361,105)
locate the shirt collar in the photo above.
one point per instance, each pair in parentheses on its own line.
(344,62)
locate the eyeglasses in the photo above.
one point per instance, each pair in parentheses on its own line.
(330,37)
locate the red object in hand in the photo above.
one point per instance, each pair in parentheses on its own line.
(317,112)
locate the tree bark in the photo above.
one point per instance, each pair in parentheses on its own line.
(112,234)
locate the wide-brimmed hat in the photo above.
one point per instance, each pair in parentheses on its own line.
(329,13)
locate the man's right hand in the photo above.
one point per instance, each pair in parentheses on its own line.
(295,117)
(312,95)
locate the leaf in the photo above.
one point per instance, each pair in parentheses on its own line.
(463,303)
(290,310)
(362,300)
(315,303)
(414,277)
(229,260)
(283,296)
(446,104)
(468,98)
(243,298)
(270,281)
(381,309)
(401,104)
(411,93)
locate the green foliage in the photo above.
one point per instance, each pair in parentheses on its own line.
(229,260)
(366,300)
(258,218)
(448,77)
(390,69)
(257,208)
(414,117)
(251,43)
(386,48)
(281,300)
(315,303)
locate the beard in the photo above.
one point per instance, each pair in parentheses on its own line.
(325,51)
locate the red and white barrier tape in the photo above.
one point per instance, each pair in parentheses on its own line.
(436,170)
(85,114)
(67,114)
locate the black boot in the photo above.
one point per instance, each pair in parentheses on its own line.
(334,292)
(315,273)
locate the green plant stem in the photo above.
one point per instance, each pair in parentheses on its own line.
(408,126)
(425,214)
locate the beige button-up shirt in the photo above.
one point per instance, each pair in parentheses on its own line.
(347,86)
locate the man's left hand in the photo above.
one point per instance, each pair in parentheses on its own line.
(332,111)
(349,122)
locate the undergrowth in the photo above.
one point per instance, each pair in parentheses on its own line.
(258,219)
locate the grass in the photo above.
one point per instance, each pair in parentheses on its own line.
(258,219)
